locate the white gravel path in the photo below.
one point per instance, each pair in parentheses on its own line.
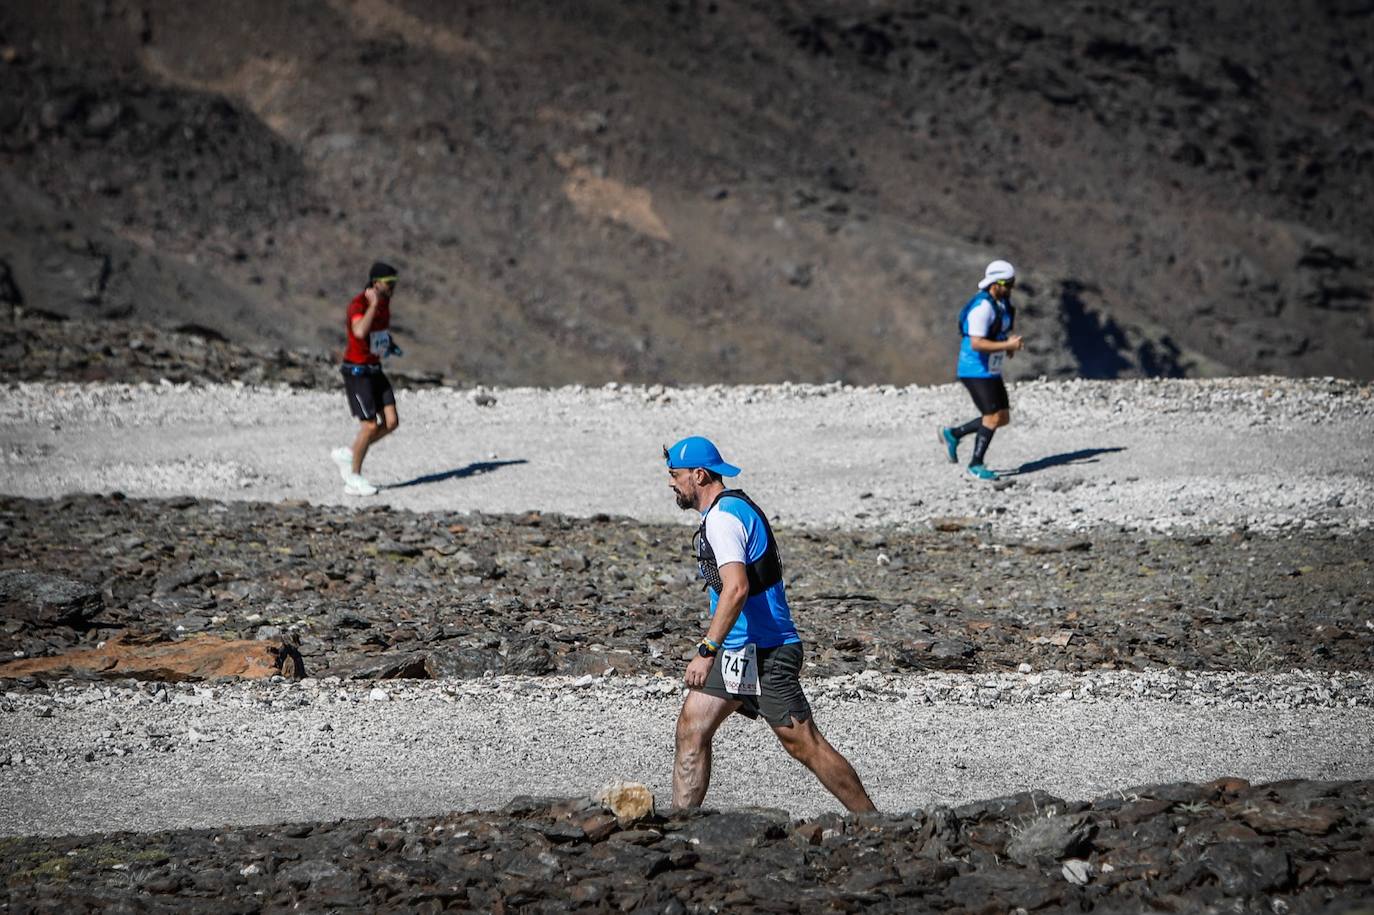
(1267,453)
(263,753)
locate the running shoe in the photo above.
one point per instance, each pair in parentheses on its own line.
(356,485)
(344,458)
(981,472)
(946,436)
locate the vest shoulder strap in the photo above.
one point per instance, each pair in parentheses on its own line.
(765,571)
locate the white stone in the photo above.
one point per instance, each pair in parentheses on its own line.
(1076,871)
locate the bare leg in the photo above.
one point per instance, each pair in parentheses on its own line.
(390,423)
(367,431)
(806,745)
(701,715)
(372,432)
(997,420)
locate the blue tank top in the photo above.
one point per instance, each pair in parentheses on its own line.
(973,364)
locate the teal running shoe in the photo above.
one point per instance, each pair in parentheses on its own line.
(946,437)
(981,472)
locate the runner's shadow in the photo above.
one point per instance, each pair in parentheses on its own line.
(458,473)
(1082,456)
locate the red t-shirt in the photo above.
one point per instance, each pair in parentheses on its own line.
(367,351)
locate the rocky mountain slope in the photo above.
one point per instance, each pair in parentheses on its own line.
(574,192)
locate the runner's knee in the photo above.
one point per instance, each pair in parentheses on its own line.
(1004,418)
(800,739)
(691,743)
(691,733)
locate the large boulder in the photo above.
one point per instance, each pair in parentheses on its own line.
(200,657)
(463,663)
(1051,838)
(629,801)
(47,600)
(391,665)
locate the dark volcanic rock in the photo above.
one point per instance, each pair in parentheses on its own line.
(550,854)
(47,600)
(626,601)
(43,347)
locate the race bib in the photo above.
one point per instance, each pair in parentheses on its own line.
(740,670)
(995,361)
(379,342)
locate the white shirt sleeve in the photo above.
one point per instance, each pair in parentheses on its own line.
(980,319)
(727,537)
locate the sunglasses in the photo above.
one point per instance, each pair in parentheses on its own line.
(1007,283)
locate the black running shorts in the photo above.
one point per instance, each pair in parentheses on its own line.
(781,698)
(368,394)
(989,394)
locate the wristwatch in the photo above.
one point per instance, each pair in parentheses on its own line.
(704,650)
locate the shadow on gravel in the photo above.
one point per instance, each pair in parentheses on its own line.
(458,473)
(1082,456)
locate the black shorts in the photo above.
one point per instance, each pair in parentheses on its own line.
(368,394)
(780,696)
(989,394)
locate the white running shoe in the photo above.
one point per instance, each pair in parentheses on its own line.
(344,458)
(356,485)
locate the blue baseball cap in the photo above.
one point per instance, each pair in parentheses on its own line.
(695,451)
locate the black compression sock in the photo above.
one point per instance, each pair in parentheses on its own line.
(980,447)
(968,428)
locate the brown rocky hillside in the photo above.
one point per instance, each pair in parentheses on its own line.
(703,191)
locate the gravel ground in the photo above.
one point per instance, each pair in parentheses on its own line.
(1263,453)
(80,758)
(1169,457)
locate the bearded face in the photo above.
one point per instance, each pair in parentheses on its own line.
(683,485)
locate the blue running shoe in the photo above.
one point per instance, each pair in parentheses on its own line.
(981,472)
(946,436)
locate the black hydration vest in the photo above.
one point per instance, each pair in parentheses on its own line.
(1003,317)
(763,573)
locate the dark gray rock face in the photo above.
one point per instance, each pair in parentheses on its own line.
(553,855)
(46,599)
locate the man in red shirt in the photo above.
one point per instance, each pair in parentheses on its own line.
(370,397)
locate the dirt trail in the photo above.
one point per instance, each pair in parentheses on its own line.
(312,755)
(1166,455)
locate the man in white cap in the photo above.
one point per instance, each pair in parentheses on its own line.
(985,327)
(751,656)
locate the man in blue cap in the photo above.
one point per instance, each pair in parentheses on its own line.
(751,655)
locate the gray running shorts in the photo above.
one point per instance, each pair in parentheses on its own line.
(780,696)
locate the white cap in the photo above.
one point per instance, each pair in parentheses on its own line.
(997,270)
